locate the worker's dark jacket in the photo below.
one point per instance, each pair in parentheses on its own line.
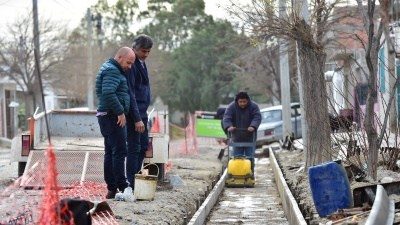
(139,87)
(112,89)
(237,117)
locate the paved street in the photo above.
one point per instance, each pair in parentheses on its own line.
(4,156)
(8,170)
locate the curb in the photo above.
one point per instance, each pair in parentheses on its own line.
(289,204)
(201,214)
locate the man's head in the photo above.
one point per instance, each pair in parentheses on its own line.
(242,99)
(125,57)
(142,45)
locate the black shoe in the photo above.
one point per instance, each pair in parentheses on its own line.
(111,194)
(122,188)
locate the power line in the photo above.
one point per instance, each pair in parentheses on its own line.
(69,3)
(63,6)
(11,6)
(5,2)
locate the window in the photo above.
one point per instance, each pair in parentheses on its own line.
(271,116)
(362,93)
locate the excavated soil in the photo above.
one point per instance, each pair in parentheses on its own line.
(292,166)
(175,205)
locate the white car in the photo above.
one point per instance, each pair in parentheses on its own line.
(270,129)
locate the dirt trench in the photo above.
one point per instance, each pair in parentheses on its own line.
(291,164)
(175,205)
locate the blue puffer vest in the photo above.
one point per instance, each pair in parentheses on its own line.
(112,89)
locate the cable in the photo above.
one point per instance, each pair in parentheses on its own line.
(63,6)
(5,2)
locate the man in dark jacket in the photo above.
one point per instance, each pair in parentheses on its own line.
(241,119)
(113,97)
(139,87)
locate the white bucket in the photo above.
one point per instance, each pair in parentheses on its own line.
(145,185)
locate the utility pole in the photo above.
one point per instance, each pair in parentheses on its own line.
(302,7)
(90,95)
(38,81)
(36,51)
(285,78)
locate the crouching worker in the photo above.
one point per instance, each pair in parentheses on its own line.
(241,119)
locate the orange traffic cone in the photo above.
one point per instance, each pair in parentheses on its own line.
(156,125)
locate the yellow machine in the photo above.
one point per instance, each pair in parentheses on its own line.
(239,171)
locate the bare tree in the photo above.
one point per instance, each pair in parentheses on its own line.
(366,32)
(17,58)
(374,30)
(262,20)
(71,75)
(258,70)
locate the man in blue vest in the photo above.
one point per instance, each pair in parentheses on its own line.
(139,87)
(113,103)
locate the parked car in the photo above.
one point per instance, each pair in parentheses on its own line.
(270,129)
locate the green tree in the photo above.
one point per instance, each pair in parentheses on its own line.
(171,28)
(115,20)
(201,74)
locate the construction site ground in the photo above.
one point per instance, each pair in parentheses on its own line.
(191,176)
(292,166)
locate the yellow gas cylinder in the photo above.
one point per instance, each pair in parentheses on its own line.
(239,166)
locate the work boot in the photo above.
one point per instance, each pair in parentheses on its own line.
(111,194)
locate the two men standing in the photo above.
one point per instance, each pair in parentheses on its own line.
(114,103)
(123,91)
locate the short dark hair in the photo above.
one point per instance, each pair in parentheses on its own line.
(142,41)
(242,95)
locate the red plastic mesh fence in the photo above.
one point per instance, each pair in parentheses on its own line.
(94,192)
(190,144)
(40,204)
(48,208)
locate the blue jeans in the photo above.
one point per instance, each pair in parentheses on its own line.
(137,146)
(115,152)
(245,151)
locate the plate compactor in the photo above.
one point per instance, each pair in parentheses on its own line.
(240,172)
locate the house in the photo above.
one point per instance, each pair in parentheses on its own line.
(346,67)
(8,108)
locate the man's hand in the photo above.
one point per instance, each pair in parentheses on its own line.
(139,127)
(231,128)
(250,129)
(121,120)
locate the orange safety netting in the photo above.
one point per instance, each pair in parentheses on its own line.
(40,205)
(189,145)
(49,214)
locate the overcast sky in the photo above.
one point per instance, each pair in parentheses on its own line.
(71,11)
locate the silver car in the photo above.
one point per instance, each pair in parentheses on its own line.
(270,129)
